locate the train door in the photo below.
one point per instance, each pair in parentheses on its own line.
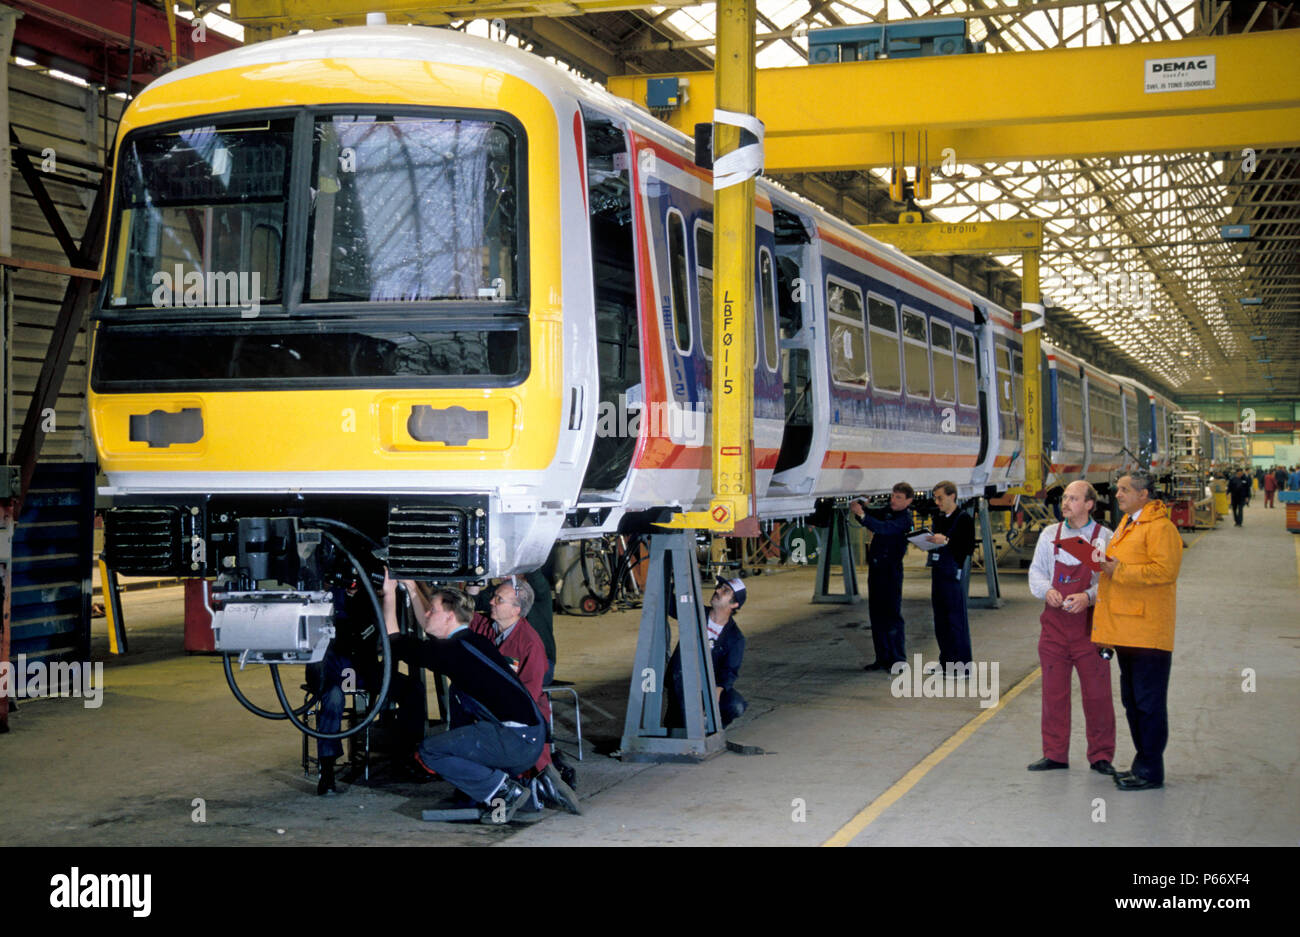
(804,395)
(613,258)
(984,376)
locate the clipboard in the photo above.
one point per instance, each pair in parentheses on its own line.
(1082,551)
(921,539)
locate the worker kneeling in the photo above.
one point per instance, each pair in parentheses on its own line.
(508,732)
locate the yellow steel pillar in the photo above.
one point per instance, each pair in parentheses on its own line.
(1031,326)
(737,147)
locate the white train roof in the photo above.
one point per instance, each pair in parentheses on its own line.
(425,43)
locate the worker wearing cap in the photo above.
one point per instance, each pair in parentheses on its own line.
(727,647)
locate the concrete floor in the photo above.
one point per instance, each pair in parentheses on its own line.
(932,771)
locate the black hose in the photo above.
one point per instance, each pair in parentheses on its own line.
(253,707)
(288,711)
(382,698)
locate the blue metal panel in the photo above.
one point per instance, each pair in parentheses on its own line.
(53,543)
(662,92)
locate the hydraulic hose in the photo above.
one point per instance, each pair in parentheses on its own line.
(253,707)
(382,698)
(288,711)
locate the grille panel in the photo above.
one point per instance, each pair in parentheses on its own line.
(436,541)
(144,541)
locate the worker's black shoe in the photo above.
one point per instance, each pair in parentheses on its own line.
(326,784)
(1102,766)
(558,794)
(1047,764)
(505,803)
(567,771)
(1135,782)
(876,665)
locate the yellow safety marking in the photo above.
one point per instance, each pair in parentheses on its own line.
(1197,539)
(868,814)
(104,591)
(1297,558)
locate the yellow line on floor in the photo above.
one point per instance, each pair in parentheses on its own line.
(1197,539)
(869,813)
(1297,557)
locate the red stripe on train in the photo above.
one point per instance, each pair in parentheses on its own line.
(860,460)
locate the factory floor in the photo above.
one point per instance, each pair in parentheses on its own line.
(170,757)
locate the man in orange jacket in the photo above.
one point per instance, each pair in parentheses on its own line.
(1136,603)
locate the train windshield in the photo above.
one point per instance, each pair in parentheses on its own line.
(412,209)
(202,209)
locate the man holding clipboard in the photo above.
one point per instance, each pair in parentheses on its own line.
(1065,573)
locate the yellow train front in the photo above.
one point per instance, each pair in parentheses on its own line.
(333,300)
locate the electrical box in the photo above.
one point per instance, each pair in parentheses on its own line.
(663,93)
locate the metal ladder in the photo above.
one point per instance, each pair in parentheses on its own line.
(1185,456)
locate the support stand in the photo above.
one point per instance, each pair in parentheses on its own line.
(994,598)
(112,596)
(645,737)
(837,533)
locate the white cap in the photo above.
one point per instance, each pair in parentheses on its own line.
(376,19)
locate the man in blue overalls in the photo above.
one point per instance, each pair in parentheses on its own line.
(889,527)
(1069,587)
(954,532)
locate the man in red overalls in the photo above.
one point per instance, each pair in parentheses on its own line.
(1069,586)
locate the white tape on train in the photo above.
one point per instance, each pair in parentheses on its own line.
(743,163)
(1031,309)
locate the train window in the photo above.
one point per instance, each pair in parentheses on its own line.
(704,285)
(409,208)
(300,355)
(678,295)
(767,323)
(1103,414)
(1071,393)
(1006,408)
(1131,418)
(916,354)
(1004,380)
(189,200)
(1018,383)
(848,343)
(945,387)
(967,394)
(790,290)
(887,372)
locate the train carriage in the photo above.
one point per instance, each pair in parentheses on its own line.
(469,313)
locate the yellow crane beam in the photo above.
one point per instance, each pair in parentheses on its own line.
(1019,105)
(915,237)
